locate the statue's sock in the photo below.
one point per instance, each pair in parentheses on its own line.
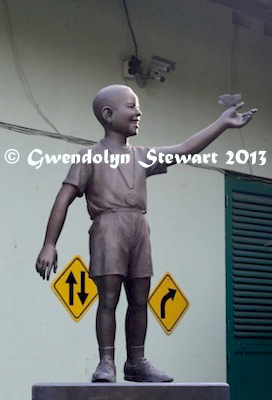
(106,351)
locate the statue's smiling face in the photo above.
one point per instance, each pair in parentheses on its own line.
(125,117)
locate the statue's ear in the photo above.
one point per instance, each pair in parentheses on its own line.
(106,113)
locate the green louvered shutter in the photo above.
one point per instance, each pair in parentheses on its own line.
(249,287)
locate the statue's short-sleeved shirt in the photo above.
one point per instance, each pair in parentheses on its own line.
(106,187)
(116,202)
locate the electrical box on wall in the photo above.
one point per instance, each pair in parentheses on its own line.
(126,70)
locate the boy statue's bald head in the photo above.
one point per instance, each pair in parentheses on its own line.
(107,97)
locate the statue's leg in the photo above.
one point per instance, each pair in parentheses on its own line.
(109,288)
(137,291)
(137,368)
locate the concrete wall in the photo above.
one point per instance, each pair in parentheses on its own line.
(67,51)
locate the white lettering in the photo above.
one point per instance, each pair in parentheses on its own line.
(36,164)
(54,159)
(196,159)
(106,156)
(169,158)
(66,158)
(97,158)
(214,158)
(183,158)
(114,160)
(87,158)
(150,157)
(125,158)
(75,158)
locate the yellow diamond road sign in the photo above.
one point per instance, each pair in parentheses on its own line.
(73,287)
(168,303)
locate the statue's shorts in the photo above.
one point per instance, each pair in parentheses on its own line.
(120,245)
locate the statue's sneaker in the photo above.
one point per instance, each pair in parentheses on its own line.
(105,371)
(144,371)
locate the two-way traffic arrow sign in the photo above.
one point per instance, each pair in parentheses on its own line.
(73,287)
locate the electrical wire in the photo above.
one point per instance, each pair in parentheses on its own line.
(230,172)
(19,68)
(233,79)
(130,28)
(208,167)
(233,71)
(51,135)
(244,146)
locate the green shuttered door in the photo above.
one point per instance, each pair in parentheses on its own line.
(249,288)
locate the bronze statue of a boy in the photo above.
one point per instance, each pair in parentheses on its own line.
(119,235)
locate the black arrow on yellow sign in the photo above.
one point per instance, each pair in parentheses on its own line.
(82,294)
(71,282)
(169,295)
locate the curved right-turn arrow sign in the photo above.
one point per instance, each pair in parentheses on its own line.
(169,295)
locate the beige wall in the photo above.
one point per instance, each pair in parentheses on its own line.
(68,50)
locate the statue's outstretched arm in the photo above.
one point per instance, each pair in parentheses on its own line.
(230,118)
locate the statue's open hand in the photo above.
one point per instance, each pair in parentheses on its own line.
(232,119)
(47,259)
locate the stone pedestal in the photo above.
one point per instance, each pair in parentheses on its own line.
(131,391)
